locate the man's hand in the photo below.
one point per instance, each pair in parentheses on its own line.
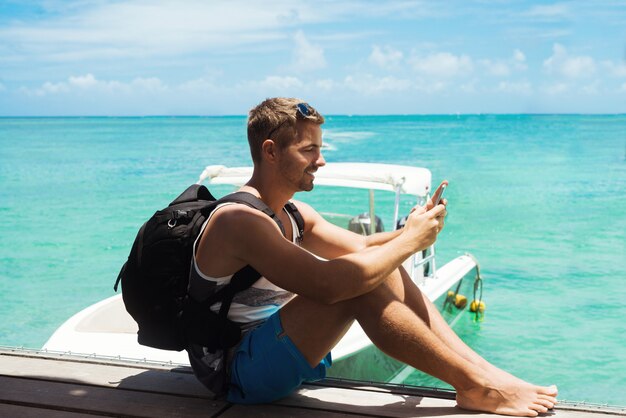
(430,204)
(423,225)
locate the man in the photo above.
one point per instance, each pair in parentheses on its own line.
(314,288)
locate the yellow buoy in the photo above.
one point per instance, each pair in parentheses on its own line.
(460,301)
(478,306)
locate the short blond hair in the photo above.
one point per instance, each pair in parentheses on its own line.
(276,119)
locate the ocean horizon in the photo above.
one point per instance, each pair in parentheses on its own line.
(538,199)
(233,115)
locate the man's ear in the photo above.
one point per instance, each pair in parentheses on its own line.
(269,149)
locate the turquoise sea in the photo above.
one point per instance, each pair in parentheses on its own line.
(540,200)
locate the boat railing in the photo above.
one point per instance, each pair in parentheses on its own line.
(423,264)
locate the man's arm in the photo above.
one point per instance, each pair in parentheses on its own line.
(330,241)
(248,237)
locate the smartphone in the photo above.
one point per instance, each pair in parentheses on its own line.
(439,194)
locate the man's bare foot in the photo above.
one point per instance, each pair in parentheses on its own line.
(506,376)
(508,396)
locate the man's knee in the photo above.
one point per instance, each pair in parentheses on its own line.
(392,288)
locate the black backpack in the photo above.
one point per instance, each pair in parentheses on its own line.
(155,277)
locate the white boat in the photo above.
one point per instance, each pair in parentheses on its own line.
(105,329)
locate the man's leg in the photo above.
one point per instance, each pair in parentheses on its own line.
(424,308)
(400,324)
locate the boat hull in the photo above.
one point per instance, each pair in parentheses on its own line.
(105,329)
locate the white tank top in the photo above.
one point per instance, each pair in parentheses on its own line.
(252,305)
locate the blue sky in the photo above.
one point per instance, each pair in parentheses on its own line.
(126,57)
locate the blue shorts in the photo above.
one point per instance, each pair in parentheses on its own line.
(268,366)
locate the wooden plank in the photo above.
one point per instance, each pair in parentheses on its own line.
(571,413)
(378,402)
(39,385)
(373,403)
(163,380)
(274,411)
(20,411)
(86,399)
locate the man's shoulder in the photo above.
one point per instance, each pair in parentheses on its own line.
(304,208)
(232,225)
(235,212)
(242,222)
(309,214)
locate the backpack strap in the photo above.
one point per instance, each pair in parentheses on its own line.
(295,213)
(241,280)
(215,330)
(254,202)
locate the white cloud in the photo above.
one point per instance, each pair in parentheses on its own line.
(89,82)
(497,68)
(519,60)
(548,11)
(561,63)
(469,87)
(623,88)
(85,81)
(511,87)
(155,28)
(47,88)
(592,88)
(430,87)
(140,28)
(557,88)
(197,85)
(279,83)
(368,84)
(504,68)
(324,84)
(307,56)
(617,70)
(151,84)
(386,57)
(2,87)
(442,64)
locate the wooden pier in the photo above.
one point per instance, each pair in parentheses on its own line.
(40,384)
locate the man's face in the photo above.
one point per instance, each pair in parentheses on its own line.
(301,159)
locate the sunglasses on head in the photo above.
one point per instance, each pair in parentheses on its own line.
(303,109)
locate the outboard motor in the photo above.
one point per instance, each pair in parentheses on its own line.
(361,224)
(401,222)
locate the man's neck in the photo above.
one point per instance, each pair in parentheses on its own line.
(269,191)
